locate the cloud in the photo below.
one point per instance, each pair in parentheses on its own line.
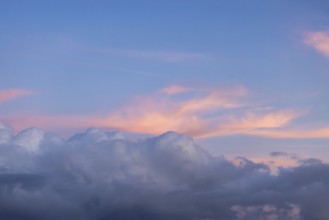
(204,113)
(10,94)
(176,89)
(98,174)
(253,123)
(152,114)
(164,56)
(167,56)
(159,55)
(162,111)
(293,133)
(319,41)
(197,112)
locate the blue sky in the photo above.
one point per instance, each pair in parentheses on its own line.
(245,74)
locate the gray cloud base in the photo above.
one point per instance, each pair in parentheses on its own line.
(101,175)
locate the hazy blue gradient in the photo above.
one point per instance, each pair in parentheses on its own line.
(92,56)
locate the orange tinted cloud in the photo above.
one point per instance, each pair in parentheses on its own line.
(199,116)
(270,125)
(215,113)
(162,112)
(319,41)
(276,119)
(200,113)
(175,89)
(293,133)
(10,94)
(250,123)
(214,100)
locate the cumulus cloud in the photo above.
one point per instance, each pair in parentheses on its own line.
(319,41)
(98,174)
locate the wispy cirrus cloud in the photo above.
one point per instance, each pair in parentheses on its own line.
(319,41)
(251,122)
(198,112)
(153,114)
(175,89)
(161,112)
(322,132)
(159,55)
(209,113)
(10,94)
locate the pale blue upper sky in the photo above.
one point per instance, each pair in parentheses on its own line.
(92,57)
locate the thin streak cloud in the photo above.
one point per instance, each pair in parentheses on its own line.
(176,89)
(167,56)
(10,94)
(200,113)
(293,133)
(157,113)
(252,123)
(164,56)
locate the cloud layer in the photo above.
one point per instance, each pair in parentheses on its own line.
(197,112)
(102,175)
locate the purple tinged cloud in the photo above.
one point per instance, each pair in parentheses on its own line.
(103,175)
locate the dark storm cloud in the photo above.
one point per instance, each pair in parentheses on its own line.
(101,175)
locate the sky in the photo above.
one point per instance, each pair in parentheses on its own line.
(216,70)
(242,78)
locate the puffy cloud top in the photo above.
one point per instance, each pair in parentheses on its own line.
(96,135)
(102,175)
(5,133)
(30,138)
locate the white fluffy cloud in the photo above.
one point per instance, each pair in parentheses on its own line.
(103,175)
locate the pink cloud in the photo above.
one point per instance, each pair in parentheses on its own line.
(175,89)
(202,113)
(10,94)
(159,112)
(319,41)
(206,115)
(250,123)
(293,133)
(214,100)
(152,114)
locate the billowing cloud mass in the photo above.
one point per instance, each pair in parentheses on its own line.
(102,175)
(319,41)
